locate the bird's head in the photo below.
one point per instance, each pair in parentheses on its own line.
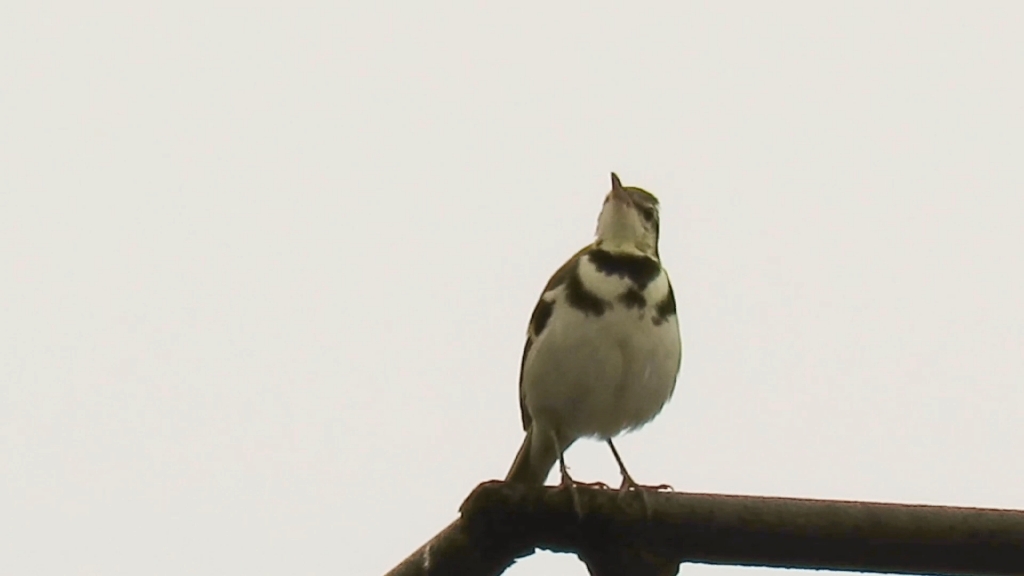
(629,221)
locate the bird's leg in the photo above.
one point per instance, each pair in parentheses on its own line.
(567,481)
(629,484)
(627,481)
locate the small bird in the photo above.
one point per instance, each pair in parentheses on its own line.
(603,348)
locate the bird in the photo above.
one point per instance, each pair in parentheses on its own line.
(603,349)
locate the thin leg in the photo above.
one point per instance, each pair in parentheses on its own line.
(627,481)
(629,484)
(567,481)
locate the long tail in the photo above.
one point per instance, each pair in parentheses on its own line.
(535,459)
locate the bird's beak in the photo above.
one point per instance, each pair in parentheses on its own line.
(618,193)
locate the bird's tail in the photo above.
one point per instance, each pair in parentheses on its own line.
(535,458)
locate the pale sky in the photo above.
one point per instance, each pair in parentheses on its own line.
(265,270)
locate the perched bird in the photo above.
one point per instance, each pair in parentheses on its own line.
(603,347)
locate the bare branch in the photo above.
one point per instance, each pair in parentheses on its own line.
(615,536)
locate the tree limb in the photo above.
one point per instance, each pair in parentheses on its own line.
(617,535)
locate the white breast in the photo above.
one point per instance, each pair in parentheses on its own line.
(598,375)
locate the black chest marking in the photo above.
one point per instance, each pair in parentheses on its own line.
(633,298)
(665,309)
(541,315)
(582,299)
(640,270)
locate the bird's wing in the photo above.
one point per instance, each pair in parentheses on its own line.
(539,319)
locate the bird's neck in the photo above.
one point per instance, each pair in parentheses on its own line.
(624,248)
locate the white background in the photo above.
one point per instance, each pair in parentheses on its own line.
(265,271)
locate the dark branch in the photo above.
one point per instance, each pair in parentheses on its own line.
(502,522)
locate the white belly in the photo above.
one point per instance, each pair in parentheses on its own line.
(599,376)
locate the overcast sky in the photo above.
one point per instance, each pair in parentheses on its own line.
(265,271)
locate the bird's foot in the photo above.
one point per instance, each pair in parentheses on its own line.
(630,485)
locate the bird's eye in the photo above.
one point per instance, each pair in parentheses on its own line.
(647,213)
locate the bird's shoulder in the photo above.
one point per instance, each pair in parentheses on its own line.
(567,269)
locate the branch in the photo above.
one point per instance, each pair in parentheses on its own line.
(501,523)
